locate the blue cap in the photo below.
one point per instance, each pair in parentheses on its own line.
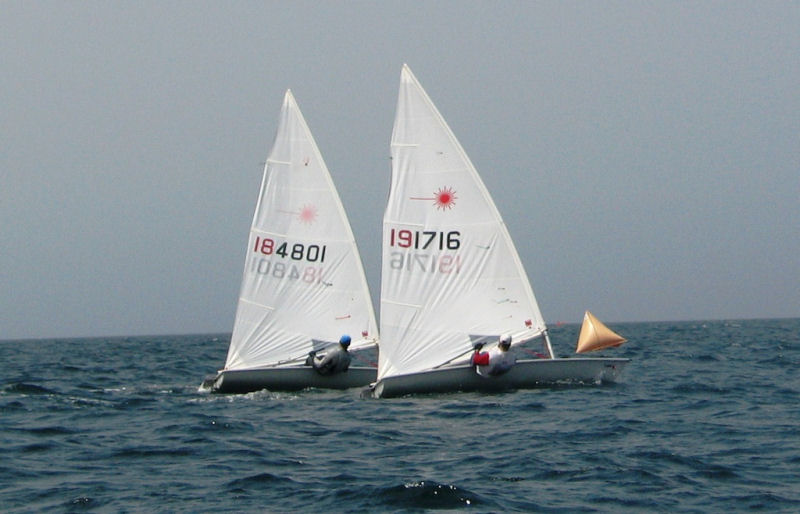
(344,340)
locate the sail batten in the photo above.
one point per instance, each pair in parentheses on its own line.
(257,304)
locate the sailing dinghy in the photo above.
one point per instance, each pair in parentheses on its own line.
(303,284)
(451,275)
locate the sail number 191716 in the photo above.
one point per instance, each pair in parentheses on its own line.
(425,239)
(296,251)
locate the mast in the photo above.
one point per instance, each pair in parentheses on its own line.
(547,344)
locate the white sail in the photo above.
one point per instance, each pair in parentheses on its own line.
(303,284)
(450,273)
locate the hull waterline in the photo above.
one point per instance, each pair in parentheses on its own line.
(526,374)
(287,379)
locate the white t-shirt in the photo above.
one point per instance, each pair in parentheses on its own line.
(499,363)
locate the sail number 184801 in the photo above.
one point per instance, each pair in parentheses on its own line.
(296,251)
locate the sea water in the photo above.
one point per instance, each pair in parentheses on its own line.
(706,419)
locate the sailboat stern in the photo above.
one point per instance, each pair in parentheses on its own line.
(612,371)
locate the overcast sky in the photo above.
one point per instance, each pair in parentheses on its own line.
(644,155)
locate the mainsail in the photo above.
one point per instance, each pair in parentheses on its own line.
(303,284)
(450,272)
(595,335)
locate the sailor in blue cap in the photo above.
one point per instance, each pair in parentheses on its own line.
(334,360)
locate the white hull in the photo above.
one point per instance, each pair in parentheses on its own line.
(526,374)
(287,379)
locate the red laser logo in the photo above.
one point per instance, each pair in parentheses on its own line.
(444,199)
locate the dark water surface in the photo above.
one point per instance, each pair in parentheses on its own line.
(707,419)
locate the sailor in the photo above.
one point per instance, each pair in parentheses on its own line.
(496,361)
(335,360)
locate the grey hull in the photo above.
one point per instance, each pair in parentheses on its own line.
(526,374)
(287,379)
